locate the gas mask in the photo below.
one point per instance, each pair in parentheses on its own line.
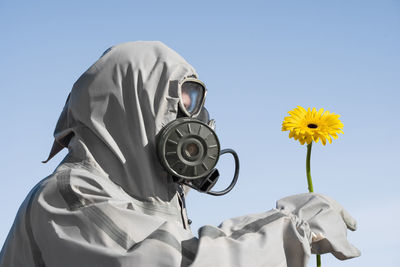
(188,147)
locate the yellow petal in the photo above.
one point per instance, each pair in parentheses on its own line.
(329,125)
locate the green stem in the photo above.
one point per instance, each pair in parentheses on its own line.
(310,185)
(308,168)
(318,260)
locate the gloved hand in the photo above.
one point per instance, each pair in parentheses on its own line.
(328,221)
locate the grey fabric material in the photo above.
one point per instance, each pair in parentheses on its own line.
(110,203)
(327,217)
(35,250)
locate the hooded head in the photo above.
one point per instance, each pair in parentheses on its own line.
(115,110)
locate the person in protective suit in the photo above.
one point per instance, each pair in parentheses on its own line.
(137,133)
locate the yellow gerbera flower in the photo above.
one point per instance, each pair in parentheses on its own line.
(312,125)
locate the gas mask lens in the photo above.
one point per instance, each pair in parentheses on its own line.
(192,93)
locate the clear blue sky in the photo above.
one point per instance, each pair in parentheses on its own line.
(259,59)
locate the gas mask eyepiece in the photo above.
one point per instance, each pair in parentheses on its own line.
(192,94)
(188,147)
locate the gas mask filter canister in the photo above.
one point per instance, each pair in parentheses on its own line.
(188,147)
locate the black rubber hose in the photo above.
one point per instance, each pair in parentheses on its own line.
(235,177)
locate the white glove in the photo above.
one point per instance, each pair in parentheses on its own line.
(328,221)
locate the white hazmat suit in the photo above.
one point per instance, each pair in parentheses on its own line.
(110,203)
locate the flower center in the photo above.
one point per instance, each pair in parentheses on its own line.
(312,126)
